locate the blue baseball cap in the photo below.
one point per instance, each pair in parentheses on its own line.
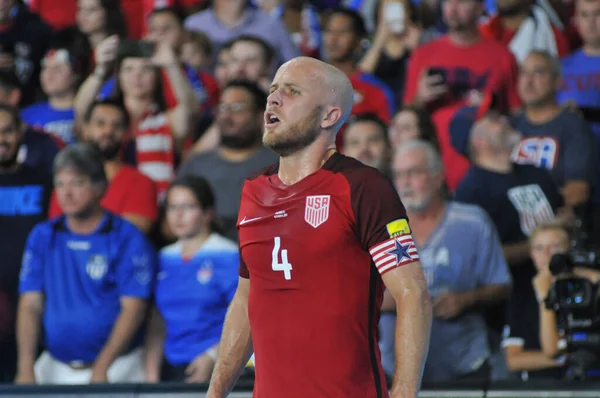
(463,121)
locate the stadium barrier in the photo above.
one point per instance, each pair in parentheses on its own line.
(534,389)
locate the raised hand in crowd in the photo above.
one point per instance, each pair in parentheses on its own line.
(430,87)
(105,55)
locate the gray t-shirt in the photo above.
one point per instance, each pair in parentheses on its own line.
(565,145)
(462,254)
(227,179)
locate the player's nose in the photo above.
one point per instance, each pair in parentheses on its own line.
(274,99)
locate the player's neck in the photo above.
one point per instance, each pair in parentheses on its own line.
(88,223)
(297,166)
(191,245)
(543,113)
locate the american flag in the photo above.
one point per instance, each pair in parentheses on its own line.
(394,252)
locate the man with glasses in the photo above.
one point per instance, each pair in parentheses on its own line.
(554,137)
(240,120)
(462,261)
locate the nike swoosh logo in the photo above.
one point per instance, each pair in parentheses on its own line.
(244,221)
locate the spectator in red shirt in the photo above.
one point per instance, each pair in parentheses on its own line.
(166,26)
(58,13)
(524,26)
(343,33)
(130,193)
(460,69)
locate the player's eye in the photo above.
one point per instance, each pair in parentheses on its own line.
(293,91)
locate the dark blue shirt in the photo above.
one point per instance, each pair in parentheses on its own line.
(564,145)
(24,197)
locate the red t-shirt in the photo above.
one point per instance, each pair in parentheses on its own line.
(493,29)
(371,95)
(129,192)
(312,252)
(58,13)
(487,66)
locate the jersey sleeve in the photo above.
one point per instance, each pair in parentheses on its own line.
(31,278)
(136,267)
(381,222)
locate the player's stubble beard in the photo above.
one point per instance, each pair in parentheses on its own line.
(297,136)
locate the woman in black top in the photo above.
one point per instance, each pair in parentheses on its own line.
(530,338)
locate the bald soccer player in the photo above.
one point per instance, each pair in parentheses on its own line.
(321,236)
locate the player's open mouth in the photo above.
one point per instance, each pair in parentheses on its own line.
(271,119)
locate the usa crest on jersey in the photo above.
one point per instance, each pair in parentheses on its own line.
(317,209)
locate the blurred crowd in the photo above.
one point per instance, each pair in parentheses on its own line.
(484,114)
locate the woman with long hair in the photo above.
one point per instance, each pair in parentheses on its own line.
(196,281)
(157,133)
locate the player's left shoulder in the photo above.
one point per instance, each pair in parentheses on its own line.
(358,174)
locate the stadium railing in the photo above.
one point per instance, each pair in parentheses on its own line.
(533,389)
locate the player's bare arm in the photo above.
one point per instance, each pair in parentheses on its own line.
(407,286)
(235,347)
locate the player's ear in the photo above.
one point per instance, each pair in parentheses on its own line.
(331,117)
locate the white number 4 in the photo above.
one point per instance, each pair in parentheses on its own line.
(284,265)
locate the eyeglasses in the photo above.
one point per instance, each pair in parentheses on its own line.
(185,207)
(234,108)
(411,172)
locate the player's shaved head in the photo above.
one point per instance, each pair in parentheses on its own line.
(308,99)
(332,86)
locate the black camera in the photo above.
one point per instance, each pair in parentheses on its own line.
(576,302)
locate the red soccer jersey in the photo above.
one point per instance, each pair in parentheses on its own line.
(129,192)
(487,67)
(312,252)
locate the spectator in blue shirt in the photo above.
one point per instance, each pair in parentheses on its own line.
(59,78)
(88,275)
(462,261)
(196,281)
